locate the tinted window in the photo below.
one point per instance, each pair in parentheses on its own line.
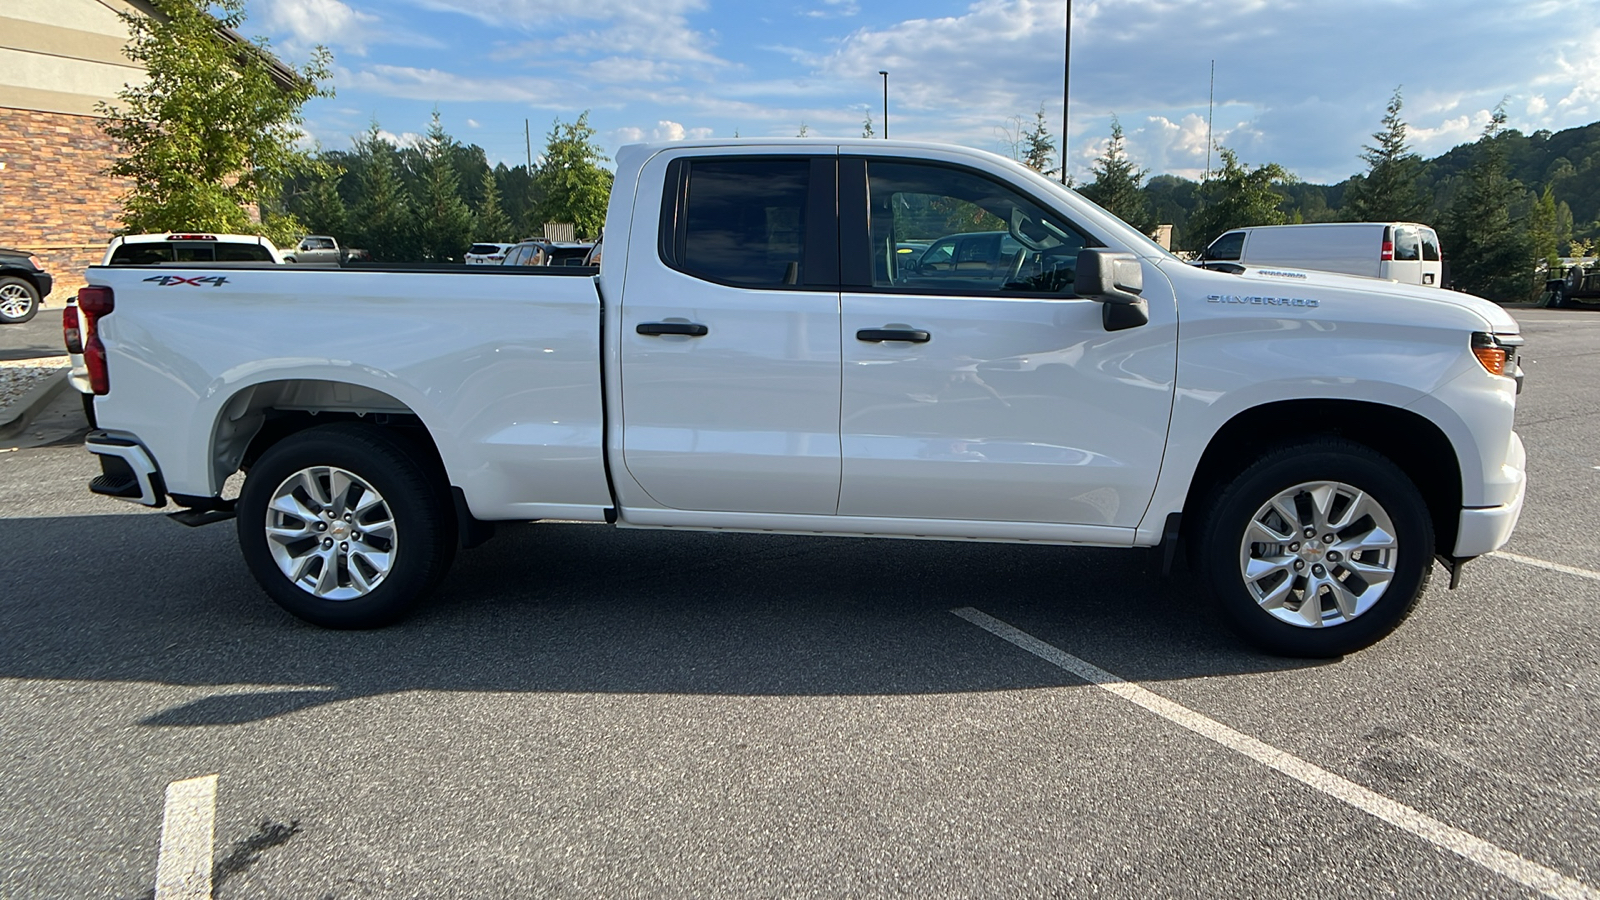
(242,253)
(1407,245)
(744,221)
(1229,246)
(985,236)
(1430,245)
(141,254)
(484,249)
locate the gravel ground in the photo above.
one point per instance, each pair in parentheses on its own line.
(17,377)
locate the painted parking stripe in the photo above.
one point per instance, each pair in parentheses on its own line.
(1546,564)
(1496,859)
(183,870)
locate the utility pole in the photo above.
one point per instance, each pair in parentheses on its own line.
(1066,83)
(885,103)
(527,138)
(1211,104)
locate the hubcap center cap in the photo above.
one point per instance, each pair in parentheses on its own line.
(1312,551)
(338,530)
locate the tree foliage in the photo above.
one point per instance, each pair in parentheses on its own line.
(444,222)
(1117,184)
(1490,249)
(1038,147)
(212,132)
(1237,195)
(1389,192)
(574,186)
(492,223)
(383,216)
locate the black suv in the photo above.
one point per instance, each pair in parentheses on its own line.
(22,286)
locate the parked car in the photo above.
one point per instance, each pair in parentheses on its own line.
(751,360)
(548,253)
(320,248)
(23,286)
(1399,251)
(185,247)
(489,254)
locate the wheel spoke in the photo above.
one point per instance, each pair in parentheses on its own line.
(1264,533)
(1369,573)
(1348,603)
(286,535)
(1275,598)
(1322,499)
(328,579)
(1257,569)
(301,565)
(302,502)
(290,505)
(1310,612)
(339,483)
(1376,539)
(1285,505)
(1353,512)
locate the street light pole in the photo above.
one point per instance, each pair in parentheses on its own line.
(885,103)
(1066,82)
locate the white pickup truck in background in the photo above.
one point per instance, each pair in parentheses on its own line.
(756,357)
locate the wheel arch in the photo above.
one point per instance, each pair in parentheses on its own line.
(1417,445)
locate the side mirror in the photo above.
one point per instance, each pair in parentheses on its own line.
(1115,280)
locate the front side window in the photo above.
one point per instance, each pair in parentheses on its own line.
(743,221)
(983,236)
(1227,247)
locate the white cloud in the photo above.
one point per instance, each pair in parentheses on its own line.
(300,25)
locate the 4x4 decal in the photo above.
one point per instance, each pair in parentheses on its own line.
(196,281)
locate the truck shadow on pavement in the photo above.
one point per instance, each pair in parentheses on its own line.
(589,609)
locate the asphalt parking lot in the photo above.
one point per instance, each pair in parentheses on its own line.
(588,712)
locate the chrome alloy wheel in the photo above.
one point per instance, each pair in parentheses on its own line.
(15,301)
(331,533)
(1319,554)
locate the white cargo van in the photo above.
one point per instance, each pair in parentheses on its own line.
(1399,251)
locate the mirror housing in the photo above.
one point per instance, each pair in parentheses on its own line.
(1115,280)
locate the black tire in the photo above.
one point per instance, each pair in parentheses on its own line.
(419,506)
(1555,299)
(13,291)
(1219,545)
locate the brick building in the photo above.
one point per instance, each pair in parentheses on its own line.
(58,60)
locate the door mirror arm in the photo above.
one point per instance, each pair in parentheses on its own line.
(1115,280)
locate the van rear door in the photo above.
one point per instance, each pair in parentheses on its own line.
(1404,262)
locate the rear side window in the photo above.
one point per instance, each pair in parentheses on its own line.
(742,221)
(242,253)
(1229,246)
(1430,245)
(1407,244)
(141,254)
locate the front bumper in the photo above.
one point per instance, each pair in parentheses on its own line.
(127,471)
(1486,529)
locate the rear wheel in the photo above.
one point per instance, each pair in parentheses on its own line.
(1318,549)
(19,300)
(342,526)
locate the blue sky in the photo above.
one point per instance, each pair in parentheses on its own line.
(1298,82)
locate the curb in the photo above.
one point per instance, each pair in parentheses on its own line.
(30,404)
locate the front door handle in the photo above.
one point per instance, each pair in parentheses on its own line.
(879,335)
(691,329)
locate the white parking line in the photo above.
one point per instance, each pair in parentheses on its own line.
(183,870)
(1502,862)
(1545,564)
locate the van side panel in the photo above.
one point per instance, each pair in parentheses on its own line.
(1352,249)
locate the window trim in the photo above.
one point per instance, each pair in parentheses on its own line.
(855,222)
(819,255)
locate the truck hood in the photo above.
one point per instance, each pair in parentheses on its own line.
(1278,279)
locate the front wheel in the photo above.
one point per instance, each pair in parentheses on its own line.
(1317,550)
(19,301)
(342,526)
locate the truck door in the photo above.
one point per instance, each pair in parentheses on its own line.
(981,395)
(730,334)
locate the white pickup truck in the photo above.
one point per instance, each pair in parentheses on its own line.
(757,356)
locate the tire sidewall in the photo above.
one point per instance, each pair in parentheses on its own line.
(395,474)
(33,295)
(1363,469)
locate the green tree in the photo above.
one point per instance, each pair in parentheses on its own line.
(321,208)
(1235,196)
(383,216)
(1489,250)
(866,127)
(1038,147)
(572,185)
(1543,241)
(492,222)
(444,222)
(1389,192)
(212,131)
(1117,184)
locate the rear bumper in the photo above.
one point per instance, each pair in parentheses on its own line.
(127,470)
(1486,529)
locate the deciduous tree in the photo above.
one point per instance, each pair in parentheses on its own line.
(1235,196)
(570,180)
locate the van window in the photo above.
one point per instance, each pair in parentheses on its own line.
(1430,245)
(1407,244)
(1229,246)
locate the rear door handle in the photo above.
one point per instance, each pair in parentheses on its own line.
(879,335)
(691,329)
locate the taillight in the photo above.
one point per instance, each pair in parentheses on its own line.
(70,333)
(94,304)
(1388,252)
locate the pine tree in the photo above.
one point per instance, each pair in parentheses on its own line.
(444,222)
(570,181)
(804,130)
(321,208)
(1489,251)
(1389,192)
(1235,196)
(212,130)
(866,127)
(383,216)
(492,223)
(1117,183)
(1039,148)
(1544,243)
